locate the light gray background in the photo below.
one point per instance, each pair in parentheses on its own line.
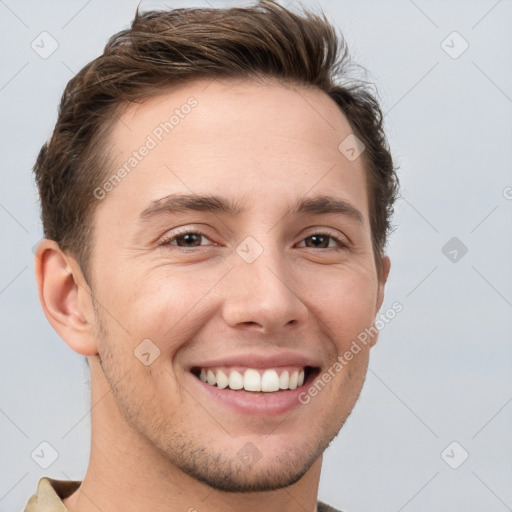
(441,371)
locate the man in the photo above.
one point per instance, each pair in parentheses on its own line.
(215,210)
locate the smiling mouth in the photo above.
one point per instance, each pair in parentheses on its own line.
(257,380)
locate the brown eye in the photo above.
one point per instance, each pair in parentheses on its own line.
(322,241)
(189,240)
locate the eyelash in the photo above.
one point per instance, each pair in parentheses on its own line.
(168,241)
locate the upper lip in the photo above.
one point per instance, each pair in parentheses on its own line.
(255,360)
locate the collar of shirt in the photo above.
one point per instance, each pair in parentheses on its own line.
(50,494)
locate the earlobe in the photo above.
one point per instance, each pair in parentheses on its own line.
(65,297)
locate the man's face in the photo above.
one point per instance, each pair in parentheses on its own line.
(271,287)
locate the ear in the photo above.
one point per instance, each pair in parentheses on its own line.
(383,277)
(65,297)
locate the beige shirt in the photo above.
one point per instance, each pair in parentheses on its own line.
(50,494)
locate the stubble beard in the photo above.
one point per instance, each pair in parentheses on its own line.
(198,459)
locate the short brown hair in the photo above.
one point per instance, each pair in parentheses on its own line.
(162,49)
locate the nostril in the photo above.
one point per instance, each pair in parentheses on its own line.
(251,323)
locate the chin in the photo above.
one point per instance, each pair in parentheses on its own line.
(231,476)
(246,470)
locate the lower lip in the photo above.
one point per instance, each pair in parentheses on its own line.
(254,403)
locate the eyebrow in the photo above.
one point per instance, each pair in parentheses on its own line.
(175,203)
(328,204)
(190,202)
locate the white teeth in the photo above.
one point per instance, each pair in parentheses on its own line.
(293,380)
(284,380)
(236,381)
(222,380)
(252,380)
(210,377)
(269,381)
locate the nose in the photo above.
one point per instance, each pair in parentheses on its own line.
(261,295)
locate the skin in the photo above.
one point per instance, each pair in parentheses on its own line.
(158,442)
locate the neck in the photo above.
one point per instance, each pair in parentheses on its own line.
(127,473)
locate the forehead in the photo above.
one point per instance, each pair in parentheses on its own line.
(211,112)
(260,139)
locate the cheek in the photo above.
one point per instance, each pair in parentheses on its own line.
(345,302)
(170,305)
(167,306)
